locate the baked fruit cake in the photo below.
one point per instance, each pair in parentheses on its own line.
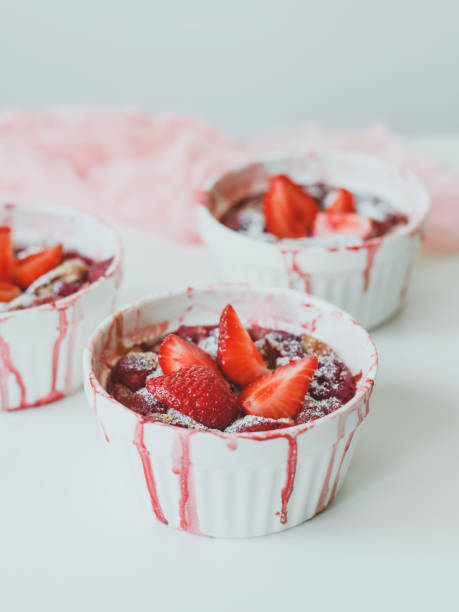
(316,212)
(31,275)
(230,378)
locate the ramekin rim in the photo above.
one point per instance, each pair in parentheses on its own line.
(63,303)
(410,229)
(363,392)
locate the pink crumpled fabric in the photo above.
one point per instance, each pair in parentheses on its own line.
(132,168)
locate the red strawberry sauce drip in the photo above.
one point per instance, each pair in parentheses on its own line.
(287,490)
(371,249)
(292,268)
(5,357)
(183,467)
(9,369)
(62,329)
(145,458)
(371,252)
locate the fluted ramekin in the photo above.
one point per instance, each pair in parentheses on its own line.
(41,347)
(230,484)
(368,280)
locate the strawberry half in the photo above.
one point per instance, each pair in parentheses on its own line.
(8,291)
(198,392)
(176,353)
(280,394)
(343,203)
(289,210)
(327,223)
(28,269)
(6,254)
(237,354)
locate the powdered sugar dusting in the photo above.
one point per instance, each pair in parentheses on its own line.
(315,409)
(174,417)
(251,422)
(210,343)
(331,386)
(156,372)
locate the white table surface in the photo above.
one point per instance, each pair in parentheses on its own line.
(69,540)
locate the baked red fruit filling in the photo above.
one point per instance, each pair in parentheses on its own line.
(289,210)
(98,269)
(133,369)
(41,275)
(231,378)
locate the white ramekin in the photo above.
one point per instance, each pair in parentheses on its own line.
(369,281)
(41,347)
(231,485)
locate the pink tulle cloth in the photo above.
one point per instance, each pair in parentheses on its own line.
(131,168)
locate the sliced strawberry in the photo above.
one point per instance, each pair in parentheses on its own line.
(280,394)
(176,353)
(343,203)
(198,392)
(343,223)
(237,354)
(289,210)
(28,269)
(8,291)
(281,218)
(6,254)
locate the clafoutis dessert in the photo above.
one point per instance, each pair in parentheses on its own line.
(32,275)
(231,378)
(60,270)
(234,411)
(312,213)
(344,227)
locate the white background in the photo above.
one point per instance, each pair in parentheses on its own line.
(244,65)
